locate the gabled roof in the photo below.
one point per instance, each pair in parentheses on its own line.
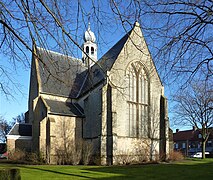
(59,74)
(20,129)
(64,108)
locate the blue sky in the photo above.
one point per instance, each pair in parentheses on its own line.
(11,107)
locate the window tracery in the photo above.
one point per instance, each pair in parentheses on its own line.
(137,100)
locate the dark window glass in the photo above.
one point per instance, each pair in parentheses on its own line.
(92,50)
(87,50)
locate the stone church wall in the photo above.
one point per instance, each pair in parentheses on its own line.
(92,105)
(34,89)
(122,143)
(40,113)
(63,136)
(18,144)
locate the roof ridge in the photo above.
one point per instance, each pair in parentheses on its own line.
(118,42)
(57,53)
(107,60)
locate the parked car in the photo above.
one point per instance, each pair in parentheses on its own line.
(199,154)
(4,155)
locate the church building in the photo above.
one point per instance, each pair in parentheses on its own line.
(111,111)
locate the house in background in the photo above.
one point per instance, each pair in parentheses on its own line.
(20,137)
(116,104)
(3,148)
(190,142)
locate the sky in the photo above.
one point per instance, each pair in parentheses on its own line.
(11,107)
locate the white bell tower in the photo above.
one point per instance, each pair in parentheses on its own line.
(90,48)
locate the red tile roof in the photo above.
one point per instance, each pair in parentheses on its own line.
(185,135)
(189,135)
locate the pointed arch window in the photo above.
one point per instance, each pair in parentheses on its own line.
(137,100)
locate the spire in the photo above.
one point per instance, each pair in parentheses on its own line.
(137,24)
(89,35)
(89,47)
(88,29)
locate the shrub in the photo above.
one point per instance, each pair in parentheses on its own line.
(8,174)
(87,153)
(35,158)
(124,158)
(175,156)
(69,153)
(76,156)
(74,153)
(17,155)
(20,156)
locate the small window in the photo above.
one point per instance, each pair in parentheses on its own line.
(87,50)
(200,136)
(193,145)
(199,145)
(92,51)
(209,144)
(176,146)
(184,145)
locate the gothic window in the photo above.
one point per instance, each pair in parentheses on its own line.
(92,51)
(87,50)
(137,100)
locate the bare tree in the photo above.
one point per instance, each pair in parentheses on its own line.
(195,107)
(178,32)
(183,31)
(20,118)
(5,127)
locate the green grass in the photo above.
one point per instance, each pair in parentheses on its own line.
(189,169)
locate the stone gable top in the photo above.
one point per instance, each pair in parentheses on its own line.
(98,72)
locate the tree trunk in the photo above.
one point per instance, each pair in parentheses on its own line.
(203,149)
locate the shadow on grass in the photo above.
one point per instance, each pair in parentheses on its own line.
(71,175)
(190,169)
(181,171)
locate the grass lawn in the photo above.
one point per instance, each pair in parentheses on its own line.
(188,169)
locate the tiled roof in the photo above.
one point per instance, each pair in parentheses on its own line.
(59,74)
(185,135)
(64,108)
(107,60)
(21,130)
